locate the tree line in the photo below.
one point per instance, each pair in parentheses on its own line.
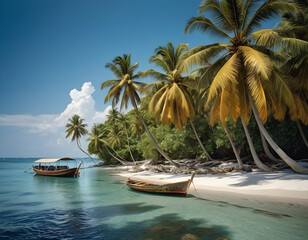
(248,95)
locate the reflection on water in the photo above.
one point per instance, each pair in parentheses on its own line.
(93,207)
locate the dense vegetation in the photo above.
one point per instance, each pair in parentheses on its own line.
(250,88)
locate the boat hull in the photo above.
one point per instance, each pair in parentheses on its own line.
(179,188)
(71,172)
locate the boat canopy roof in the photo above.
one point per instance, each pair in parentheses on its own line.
(51,160)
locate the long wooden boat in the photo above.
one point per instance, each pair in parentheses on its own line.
(45,168)
(177,188)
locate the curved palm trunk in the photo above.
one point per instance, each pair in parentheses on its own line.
(78,144)
(121,161)
(130,152)
(294,165)
(208,157)
(302,133)
(255,157)
(116,153)
(238,158)
(267,150)
(150,136)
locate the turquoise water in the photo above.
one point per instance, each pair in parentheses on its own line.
(38,207)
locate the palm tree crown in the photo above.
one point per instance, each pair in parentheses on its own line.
(241,68)
(125,82)
(171,99)
(76,128)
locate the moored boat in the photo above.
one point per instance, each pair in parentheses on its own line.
(50,167)
(177,188)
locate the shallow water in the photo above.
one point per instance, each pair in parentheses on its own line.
(93,207)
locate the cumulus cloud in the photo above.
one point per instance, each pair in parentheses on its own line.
(82,103)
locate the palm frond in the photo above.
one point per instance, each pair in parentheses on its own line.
(200,55)
(295,46)
(233,12)
(110,83)
(257,92)
(256,62)
(154,74)
(225,77)
(161,63)
(116,71)
(214,7)
(268,9)
(204,24)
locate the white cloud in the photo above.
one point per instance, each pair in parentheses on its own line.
(82,103)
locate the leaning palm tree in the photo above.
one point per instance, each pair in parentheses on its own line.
(125,85)
(243,72)
(292,37)
(76,128)
(172,100)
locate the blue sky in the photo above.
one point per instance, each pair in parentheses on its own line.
(53,54)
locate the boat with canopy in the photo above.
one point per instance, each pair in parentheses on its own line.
(53,167)
(177,188)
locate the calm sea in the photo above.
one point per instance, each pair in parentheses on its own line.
(92,207)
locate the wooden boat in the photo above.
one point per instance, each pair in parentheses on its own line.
(177,188)
(55,169)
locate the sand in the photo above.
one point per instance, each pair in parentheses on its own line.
(255,189)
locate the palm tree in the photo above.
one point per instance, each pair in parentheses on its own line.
(76,128)
(244,73)
(98,142)
(292,37)
(124,123)
(116,118)
(172,101)
(113,116)
(136,125)
(125,82)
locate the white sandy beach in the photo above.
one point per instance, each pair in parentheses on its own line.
(255,189)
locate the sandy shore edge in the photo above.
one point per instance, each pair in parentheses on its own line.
(243,189)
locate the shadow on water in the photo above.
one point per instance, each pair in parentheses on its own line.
(90,224)
(159,194)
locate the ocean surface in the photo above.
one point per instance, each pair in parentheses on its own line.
(95,206)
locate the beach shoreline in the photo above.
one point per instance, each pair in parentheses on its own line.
(284,192)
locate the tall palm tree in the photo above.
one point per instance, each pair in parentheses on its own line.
(125,82)
(244,72)
(76,128)
(124,123)
(292,37)
(172,100)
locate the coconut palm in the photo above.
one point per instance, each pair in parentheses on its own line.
(98,143)
(292,37)
(124,124)
(96,140)
(172,100)
(76,128)
(126,85)
(113,116)
(118,119)
(136,125)
(244,75)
